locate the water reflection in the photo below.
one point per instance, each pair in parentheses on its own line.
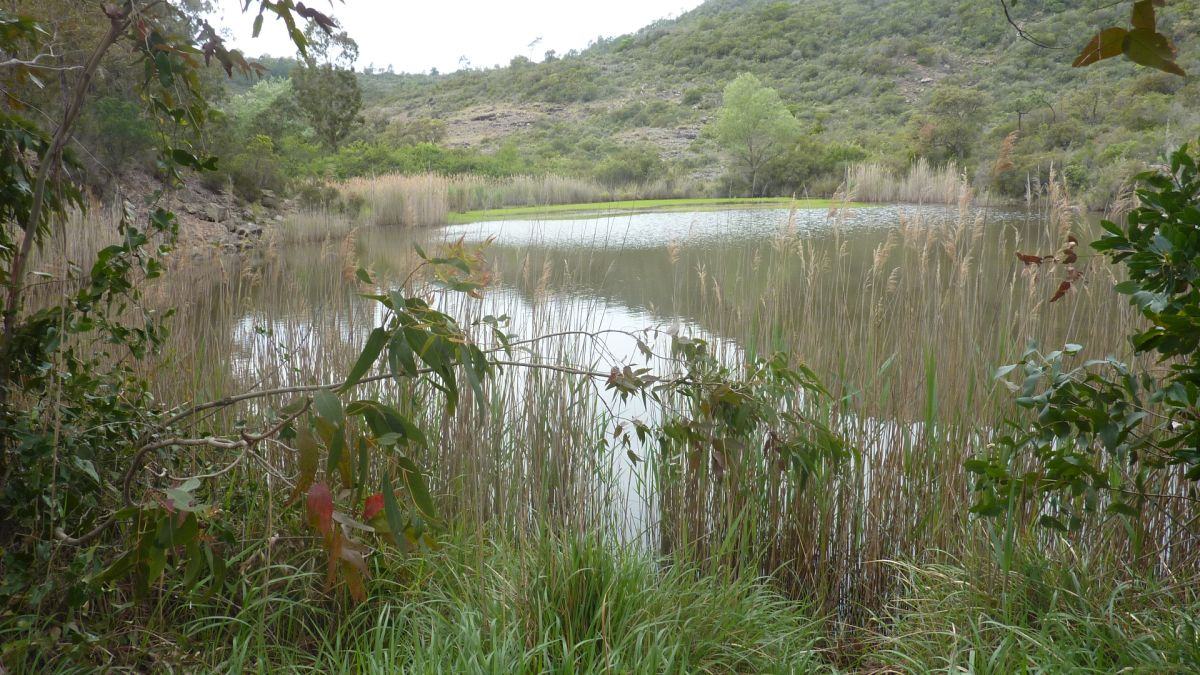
(903,309)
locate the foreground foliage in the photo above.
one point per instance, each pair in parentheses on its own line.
(1109,437)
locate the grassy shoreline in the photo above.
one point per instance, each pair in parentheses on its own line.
(639,206)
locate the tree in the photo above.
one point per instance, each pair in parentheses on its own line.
(331,101)
(951,124)
(408,132)
(327,88)
(754,126)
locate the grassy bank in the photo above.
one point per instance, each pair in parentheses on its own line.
(548,602)
(639,206)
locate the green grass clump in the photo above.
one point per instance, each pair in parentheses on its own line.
(554,604)
(1046,614)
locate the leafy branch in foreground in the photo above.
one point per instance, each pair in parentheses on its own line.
(1141,43)
(71,402)
(1106,433)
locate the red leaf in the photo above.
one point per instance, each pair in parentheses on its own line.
(373,505)
(326,23)
(320,508)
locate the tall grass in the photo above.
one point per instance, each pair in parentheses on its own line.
(550,604)
(1061,613)
(905,323)
(922,184)
(403,200)
(425,200)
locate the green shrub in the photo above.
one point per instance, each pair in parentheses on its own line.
(630,165)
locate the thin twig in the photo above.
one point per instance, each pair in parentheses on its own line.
(1021,32)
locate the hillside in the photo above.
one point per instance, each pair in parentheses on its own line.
(861,75)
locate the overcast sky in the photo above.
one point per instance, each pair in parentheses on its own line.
(417,36)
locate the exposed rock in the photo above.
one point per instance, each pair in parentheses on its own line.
(249,230)
(216,213)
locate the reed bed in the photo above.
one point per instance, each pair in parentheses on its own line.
(922,184)
(398,200)
(904,323)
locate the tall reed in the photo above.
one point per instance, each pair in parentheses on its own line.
(403,200)
(426,199)
(905,323)
(922,184)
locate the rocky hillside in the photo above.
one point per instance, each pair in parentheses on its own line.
(864,73)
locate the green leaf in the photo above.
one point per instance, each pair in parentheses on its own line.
(1123,509)
(195,565)
(1151,49)
(367,358)
(417,488)
(329,406)
(309,460)
(391,509)
(1052,523)
(293,408)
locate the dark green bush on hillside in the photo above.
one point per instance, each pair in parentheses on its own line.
(635,164)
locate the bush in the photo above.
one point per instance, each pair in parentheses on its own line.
(416,131)
(255,169)
(117,132)
(634,164)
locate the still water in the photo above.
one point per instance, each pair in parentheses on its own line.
(900,310)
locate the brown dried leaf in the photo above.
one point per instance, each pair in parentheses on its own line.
(1105,45)
(1062,290)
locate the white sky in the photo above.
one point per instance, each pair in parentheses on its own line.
(417,36)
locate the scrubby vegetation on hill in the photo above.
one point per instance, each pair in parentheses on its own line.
(886,82)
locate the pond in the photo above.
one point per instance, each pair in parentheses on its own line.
(903,311)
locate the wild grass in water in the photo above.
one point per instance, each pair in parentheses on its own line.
(905,324)
(425,200)
(922,184)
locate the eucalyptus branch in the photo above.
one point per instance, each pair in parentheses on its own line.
(247,442)
(33,63)
(48,164)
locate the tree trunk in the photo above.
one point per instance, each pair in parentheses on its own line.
(49,164)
